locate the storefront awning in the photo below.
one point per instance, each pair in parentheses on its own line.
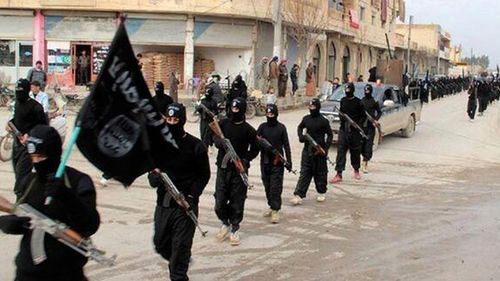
(16,27)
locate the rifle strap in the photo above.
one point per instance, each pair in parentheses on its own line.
(30,187)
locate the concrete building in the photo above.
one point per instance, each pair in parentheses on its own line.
(344,36)
(432,40)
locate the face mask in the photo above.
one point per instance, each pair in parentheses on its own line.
(272,120)
(22,96)
(237,116)
(46,167)
(349,94)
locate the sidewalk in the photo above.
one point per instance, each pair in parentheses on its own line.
(286,103)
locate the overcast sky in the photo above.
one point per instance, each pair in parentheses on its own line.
(474,24)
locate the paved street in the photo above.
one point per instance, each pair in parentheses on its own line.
(428,210)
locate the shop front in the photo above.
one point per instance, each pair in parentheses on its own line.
(16,45)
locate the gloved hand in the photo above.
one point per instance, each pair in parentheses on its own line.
(218,143)
(12,224)
(246,164)
(155,180)
(54,187)
(191,201)
(302,139)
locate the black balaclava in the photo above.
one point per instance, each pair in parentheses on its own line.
(177,110)
(159,88)
(317,104)
(241,104)
(23,88)
(349,90)
(45,141)
(272,108)
(209,93)
(368,91)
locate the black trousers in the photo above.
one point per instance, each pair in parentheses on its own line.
(348,142)
(230,195)
(367,144)
(22,166)
(483,104)
(311,167)
(471,108)
(173,239)
(205,135)
(272,178)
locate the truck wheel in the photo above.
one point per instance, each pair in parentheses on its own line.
(410,128)
(376,140)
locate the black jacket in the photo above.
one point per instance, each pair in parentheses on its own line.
(211,104)
(28,114)
(371,106)
(319,129)
(354,109)
(243,138)
(277,135)
(162,102)
(187,167)
(76,207)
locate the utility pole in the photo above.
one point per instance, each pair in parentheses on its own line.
(471,63)
(409,44)
(277,20)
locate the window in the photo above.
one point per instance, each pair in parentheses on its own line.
(25,54)
(361,13)
(7,53)
(373,19)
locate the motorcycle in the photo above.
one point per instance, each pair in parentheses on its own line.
(57,120)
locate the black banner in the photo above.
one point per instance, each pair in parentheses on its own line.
(122,133)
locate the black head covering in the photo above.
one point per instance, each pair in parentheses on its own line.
(317,104)
(23,88)
(241,104)
(272,108)
(349,90)
(159,88)
(46,141)
(177,110)
(368,90)
(209,92)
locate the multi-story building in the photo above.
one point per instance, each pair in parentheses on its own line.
(338,36)
(433,42)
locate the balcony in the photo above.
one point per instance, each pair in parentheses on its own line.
(444,54)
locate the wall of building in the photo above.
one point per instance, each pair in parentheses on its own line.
(232,61)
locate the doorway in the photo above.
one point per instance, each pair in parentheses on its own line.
(346,59)
(316,61)
(81,61)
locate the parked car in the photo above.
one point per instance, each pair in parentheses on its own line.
(398,113)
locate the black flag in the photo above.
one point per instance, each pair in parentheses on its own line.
(122,133)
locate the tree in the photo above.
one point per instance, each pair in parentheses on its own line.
(483,61)
(305,21)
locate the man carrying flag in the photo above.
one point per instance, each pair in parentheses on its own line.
(124,135)
(189,171)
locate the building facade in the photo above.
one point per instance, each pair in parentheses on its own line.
(431,47)
(343,36)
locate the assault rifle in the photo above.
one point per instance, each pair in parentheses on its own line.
(181,200)
(318,148)
(352,123)
(278,157)
(42,224)
(375,123)
(228,147)
(14,129)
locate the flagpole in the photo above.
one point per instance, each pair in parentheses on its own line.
(74,134)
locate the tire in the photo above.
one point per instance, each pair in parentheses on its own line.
(260,110)
(6,146)
(251,111)
(193,116)
(410,128)
(376,140)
